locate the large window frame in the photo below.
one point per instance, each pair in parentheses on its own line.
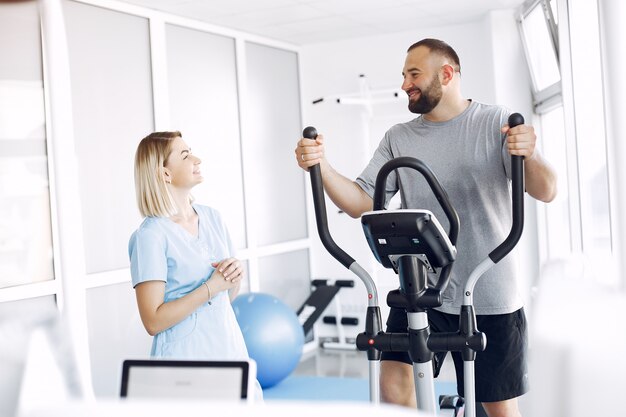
(541,47)
(587,232)
(28,227)
(158,20)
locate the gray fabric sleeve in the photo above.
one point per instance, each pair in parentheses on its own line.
(367,179)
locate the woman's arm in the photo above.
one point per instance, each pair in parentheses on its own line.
(157,315)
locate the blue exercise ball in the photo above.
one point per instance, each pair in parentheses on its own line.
(273,334)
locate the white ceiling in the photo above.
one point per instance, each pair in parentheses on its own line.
(311,21)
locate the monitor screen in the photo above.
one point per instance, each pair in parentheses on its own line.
(168,379)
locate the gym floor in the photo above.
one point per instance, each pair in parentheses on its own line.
(342,375)
(339,375)
(349,364)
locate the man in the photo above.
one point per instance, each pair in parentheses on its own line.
(468,147)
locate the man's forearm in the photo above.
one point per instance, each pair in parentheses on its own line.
(345,193)
(540,179)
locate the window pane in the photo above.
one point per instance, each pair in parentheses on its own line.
(539,50)
(25,225)
(115,333)
(112,102)
(557,212)
(204,106)
(26,371)
(272,77)
(286,276)
(590,131)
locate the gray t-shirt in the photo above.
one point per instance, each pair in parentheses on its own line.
(468,156)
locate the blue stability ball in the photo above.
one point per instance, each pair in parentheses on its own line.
(274,336)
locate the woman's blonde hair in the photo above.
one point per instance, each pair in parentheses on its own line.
(153,197)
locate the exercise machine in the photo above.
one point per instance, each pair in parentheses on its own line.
(324,293)
(413,243)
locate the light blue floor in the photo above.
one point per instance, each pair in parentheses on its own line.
(315,388)
(332,375)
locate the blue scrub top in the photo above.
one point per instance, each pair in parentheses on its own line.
(164,251)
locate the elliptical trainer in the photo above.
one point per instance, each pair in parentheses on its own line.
(413,243)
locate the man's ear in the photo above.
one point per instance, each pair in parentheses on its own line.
(447,73)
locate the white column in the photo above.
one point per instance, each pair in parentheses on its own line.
(158,61)
(612,14)
(64,167)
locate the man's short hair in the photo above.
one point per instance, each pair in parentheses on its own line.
(441,48)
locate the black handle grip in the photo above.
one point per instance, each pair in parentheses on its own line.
(515,119)
(309,132)
(517,198)
(320,209)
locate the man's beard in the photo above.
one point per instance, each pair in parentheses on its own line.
(429,98)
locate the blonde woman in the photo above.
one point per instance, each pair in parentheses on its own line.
(182,267)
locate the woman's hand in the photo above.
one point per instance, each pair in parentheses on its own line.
(230,271)
(227,276)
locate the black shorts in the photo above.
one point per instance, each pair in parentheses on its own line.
(500,370)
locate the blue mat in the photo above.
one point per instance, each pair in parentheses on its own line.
(313,388)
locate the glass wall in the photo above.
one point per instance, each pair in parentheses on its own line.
(554,143)
(573,132)
(115,333)
(112,97)
(26,254)
(540,49)
(273,119)
(204,106)
(36,359)
(590,131)
(286,276)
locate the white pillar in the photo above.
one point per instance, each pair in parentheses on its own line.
(64,173)
(612,14)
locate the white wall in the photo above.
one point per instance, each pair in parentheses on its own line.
(493,71)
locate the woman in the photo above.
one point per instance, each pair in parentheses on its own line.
(182,267)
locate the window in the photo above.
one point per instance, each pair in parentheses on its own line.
(538,28)
(25,225)
(567,79)
(203,102)
(112,112)
(590,131)
(557,214)
(540,47)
